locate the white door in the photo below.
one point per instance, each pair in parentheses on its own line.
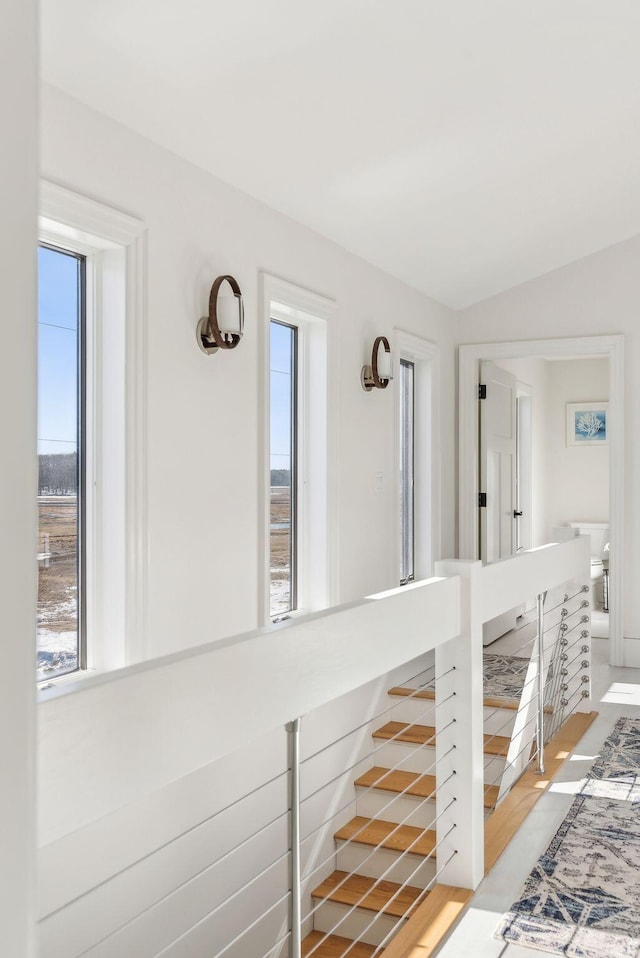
(497,463)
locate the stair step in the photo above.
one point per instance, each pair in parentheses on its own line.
(425,734)
(334,946)
(384,897)
(411,783)
(489,701)
(399,838)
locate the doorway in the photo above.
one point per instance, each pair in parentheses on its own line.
(470,357)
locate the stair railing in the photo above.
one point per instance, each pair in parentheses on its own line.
(536,719)
(129,736)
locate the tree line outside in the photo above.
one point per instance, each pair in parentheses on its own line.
(58,474)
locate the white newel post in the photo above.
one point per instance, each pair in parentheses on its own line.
(464,655)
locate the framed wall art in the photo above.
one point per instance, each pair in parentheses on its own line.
(587,423)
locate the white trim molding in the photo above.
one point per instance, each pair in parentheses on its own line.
(608,347)
(318,410)
(426,357)
(93,228)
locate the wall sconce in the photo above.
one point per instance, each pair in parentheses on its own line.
(378,374)
(224,326)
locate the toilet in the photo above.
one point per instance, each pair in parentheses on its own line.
(598,532)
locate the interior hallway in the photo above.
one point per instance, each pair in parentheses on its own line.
(615,693)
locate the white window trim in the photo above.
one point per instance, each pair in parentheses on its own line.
(115,239)
(425,356)
(311,313)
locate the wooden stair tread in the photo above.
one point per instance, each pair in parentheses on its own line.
(425,734)
(407,732)
(399,838)
(334,946)
(410,783)
(489,701)
(382,896)
(422,934)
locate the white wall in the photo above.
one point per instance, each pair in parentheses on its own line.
(18,183)
(598,295)
(577,477)
(204,412)
(112,878)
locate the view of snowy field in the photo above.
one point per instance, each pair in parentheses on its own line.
(280,550)
(57,630)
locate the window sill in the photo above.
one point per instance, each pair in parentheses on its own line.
(61,681)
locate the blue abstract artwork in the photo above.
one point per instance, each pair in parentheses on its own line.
(587,423)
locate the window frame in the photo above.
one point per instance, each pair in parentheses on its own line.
(425,356)
(294,469)
(317,403)
(411,564)
(81,435)
(114,246)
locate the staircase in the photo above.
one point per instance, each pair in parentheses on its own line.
(391,840)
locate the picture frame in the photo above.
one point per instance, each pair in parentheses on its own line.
(587,424)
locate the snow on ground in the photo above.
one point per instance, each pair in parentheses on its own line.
(280,595)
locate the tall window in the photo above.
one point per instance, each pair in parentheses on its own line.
(284,463)
(61,646)
(407,470)
(91,427)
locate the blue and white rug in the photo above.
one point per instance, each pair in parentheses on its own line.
(504,675)
(582,899)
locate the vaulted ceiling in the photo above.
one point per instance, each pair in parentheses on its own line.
(463,146)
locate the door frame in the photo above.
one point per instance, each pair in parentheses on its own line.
(609,347)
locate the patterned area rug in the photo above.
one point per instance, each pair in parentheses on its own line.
(504,675)
(583,897)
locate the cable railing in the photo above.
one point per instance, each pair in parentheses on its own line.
(555,670)
(347,832)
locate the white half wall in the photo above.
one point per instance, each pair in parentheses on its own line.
(18,192)
(598,295)
(203,443)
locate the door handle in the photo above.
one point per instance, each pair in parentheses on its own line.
(516,514)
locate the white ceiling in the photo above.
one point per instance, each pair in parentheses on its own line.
(463,146)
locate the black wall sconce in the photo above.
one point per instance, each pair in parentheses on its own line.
(378,374)
(224,326)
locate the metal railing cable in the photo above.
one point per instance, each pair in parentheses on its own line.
(513,761)
(396,894)
(374,718)
(371,753)
(532,681)
(568,598)
(569,662)
(353,838)
(360,831)
(238,937)
(274,949)
(583,694)
(231,851)
(565,718)
(382,878)
(413,907)
(176,838)
(376,786)
(375,848)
